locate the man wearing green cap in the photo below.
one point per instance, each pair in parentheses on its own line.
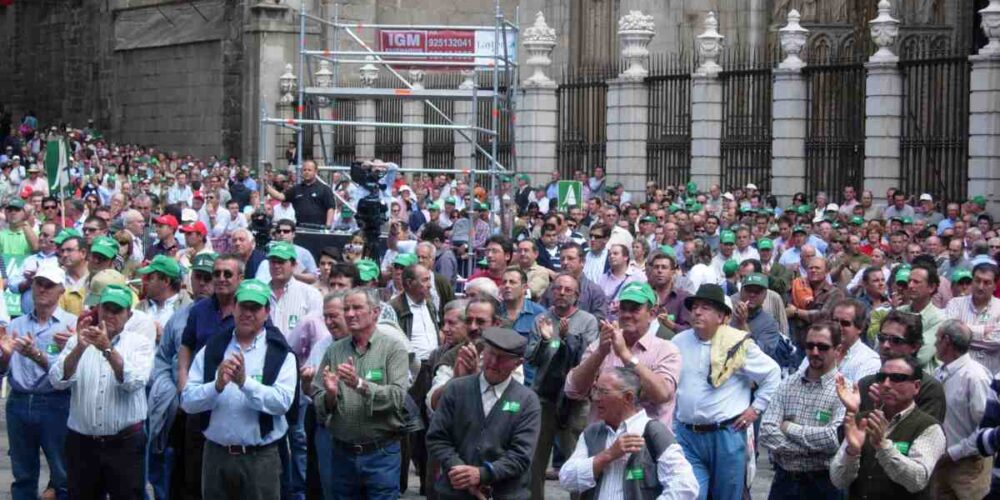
(961,283)
(244,386)
(980,311)
(168,455)
(749,315)
(106,367)
(305,270)
(345,221)
(161,284)
(18,238)
(291,299)
(727,248)
(102,254)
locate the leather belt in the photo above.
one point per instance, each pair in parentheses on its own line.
(706,428)
(363,448)
(122,434)
(237,449)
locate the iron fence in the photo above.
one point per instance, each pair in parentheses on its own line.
(935,136)
(835,127)
(746,124)
(668,146)
(583,113)
(484,119)
(342,135)
(439,144)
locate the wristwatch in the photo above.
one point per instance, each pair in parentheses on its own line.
(632,363)
(107,352)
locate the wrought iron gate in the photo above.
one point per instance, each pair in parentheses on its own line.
(835,128)
(668,146)
(583,113)
(746,127)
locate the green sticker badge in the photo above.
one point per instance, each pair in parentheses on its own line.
(902,447)
(292,321)
(511,406)
(52,349)
(374,375)
(555,343)
(258,378)
(823,416)
(635,474)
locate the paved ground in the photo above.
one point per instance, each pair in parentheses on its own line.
(552,490)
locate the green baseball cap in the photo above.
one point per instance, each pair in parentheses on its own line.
(404,260)
(164,265)
(960,274)
(434,206)
(638,292)
(483,263)
(204,262)
(105,246)
(524,177)
(253,291)
(367,270)
(648,218)
(756,279)
(346,212)
(66,234)
(692,187)
(765,244)
(979,200)
(282,250)
(450,200)
(482,207)
(696,207)
(903,275)
(675,207)
(895,218)
(727,237)
(118,295)
(16,203)
(907,221)
(803,209)
(730,267)
(668,250)
(857,220)
(799,229)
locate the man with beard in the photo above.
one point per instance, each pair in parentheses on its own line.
(556,344)
(800,426)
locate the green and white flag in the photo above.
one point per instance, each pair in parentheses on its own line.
(56,164)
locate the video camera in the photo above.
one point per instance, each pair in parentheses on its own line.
(371,214)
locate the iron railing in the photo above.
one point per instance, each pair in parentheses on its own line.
(835,127)
(583,99)
(935,135)
(668,146)
(746,124)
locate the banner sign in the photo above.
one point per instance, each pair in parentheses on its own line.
(14,267)
(445,42)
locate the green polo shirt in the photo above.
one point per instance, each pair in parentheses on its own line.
(14,243)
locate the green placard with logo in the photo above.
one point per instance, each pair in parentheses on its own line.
(570,194)
(13,266)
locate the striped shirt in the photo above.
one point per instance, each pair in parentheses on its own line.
(376,412)
(814,412)
(100,405)
(985,326)
(25,374)
(298,300)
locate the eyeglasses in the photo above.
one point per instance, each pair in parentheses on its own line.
(846,323)
(223,274)
(50,207)
(893,377)
(822,347)
(892,339)
(598,236)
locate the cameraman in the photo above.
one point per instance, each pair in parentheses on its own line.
(311,199)
(373,175)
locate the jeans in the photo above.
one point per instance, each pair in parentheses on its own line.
(718,459)
(376,472)
(37,421)
(795,485)
(293,468)
(324,460)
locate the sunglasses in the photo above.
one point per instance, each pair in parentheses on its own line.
(597,236)
(892,339)
(846,323)
(893,377)
(285,231)
(50,207)
(223,274)
(822,347)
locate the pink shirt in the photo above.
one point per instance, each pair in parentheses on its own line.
(659,355)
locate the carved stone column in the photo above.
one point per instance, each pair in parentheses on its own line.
(984,114)
(413,112)
(364,137)
(537,127)
(706,108)
(789,110)
(628,100)
(883,105)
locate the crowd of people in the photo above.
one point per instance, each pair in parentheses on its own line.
(166,333)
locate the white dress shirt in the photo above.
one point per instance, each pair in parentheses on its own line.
(966,390)
(593,267)
(672,469)
(491,393)
(298,300)
(100,405)
(423,333)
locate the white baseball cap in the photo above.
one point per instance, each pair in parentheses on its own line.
(752,186)
(833,207)
(926,197)
(51,271)
(729,196)
(189,215)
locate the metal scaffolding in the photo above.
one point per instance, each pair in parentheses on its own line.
(310,93)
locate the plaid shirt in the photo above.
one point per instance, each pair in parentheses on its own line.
(814,413)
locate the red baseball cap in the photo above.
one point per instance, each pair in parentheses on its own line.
(198,195)
(196,227)
(167,219)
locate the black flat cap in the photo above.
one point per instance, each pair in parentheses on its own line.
(506,340)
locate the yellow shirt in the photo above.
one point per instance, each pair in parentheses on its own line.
(74,295)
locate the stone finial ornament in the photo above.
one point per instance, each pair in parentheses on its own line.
(635,31)
(368,73)
(323,79)
(287,83)
(793,39)
(884,30)
(710,47)
(539,40)
(991,27)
